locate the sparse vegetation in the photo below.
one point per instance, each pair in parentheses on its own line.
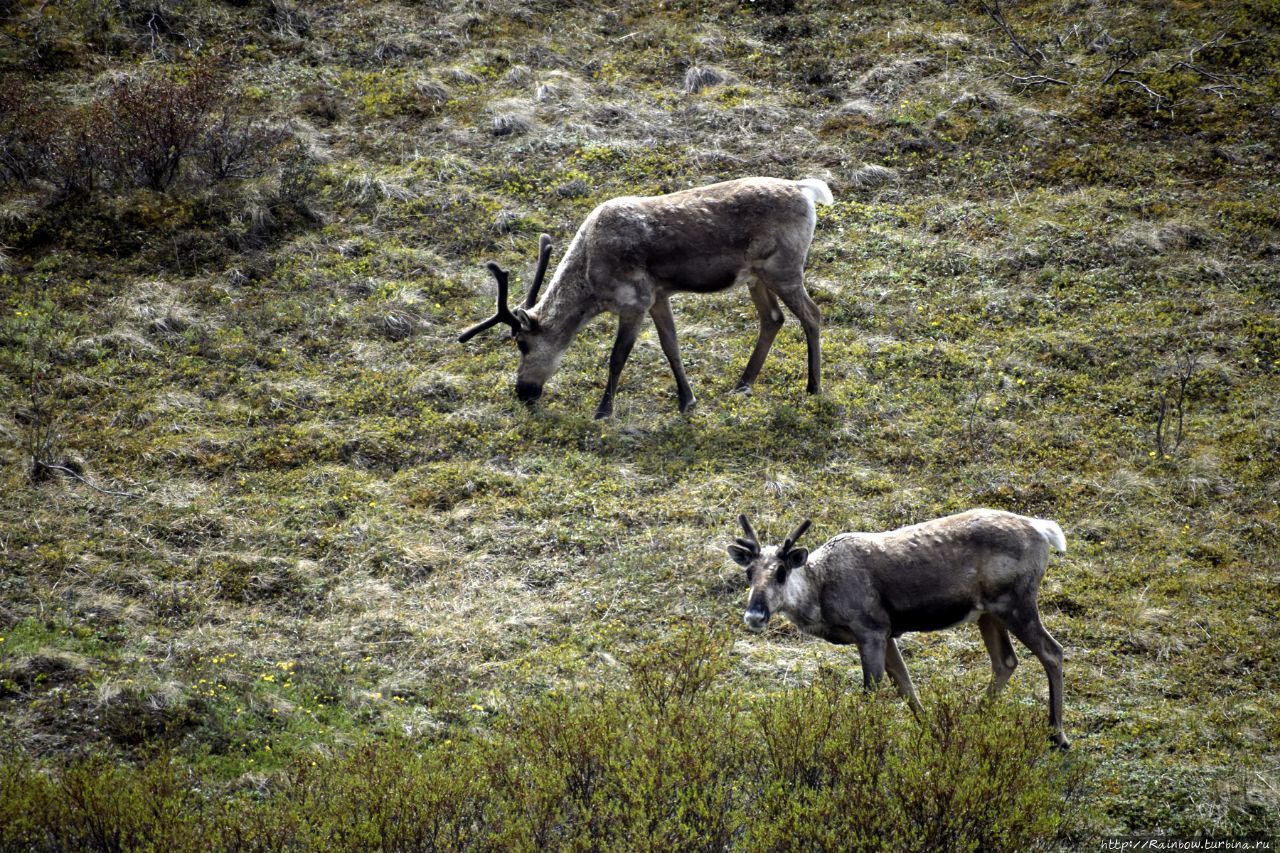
(303,525)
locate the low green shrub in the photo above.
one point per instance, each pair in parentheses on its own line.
(670,758)
(842,771)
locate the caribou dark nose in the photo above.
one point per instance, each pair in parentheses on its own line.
(528,392)
(756,620)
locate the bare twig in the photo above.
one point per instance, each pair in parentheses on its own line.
(1124,56)
(71,472)
(994,11)
(1036,80)
(1172,402)
(1222,89)
(1217,78)
(1159,98)
(1191,55)
(1119,69)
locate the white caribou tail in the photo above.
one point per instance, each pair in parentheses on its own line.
(1051,532)
(817,190)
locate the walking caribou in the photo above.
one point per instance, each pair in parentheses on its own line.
(870,588)
(632,253)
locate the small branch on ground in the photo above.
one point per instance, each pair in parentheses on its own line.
(1124,56)
(1154,95)
(1191,55)
(1171,406)
(1036,80)
(41,465)
(993,11)
(1222,89)
(1209,75)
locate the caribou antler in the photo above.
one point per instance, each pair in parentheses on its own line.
(544,255)
(504,314)
(791,540)
(750,542)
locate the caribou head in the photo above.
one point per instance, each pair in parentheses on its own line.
(767,570)
(535,363)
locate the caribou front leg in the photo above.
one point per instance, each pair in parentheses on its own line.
(666,326)
(628,329)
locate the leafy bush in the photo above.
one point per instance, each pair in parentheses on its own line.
(143,131)
(98,805)
(655,765)
(841,774)
(671,759)
(149,125)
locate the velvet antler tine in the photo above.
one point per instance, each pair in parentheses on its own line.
(502,315)
(751,534)
(478,328)
(544,257)
(795,536)
(503,277)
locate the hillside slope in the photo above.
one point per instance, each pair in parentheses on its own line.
(257,501)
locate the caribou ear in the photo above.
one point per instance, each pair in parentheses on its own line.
(527,323)
(797,557)
(741,556)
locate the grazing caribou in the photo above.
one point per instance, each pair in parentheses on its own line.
(870,588)
(632,253)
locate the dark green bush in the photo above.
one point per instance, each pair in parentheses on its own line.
(671,759)
(96,804)
(654,765)
(843,772)
(387,796)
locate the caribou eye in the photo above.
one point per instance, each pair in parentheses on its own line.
(523,346)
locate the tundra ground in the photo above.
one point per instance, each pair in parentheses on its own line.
(259,505)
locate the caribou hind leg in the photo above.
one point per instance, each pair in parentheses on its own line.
(1032,634)
(999,647)
(770,322)
(797,300)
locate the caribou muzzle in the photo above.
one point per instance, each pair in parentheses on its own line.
(528,392)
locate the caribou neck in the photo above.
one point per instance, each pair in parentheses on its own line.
(567,303)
